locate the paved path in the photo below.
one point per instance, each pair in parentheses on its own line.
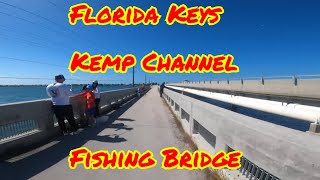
(144,124)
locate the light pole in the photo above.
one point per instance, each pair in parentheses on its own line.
(133,77)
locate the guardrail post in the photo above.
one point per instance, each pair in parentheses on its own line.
(179,111)
(314,127)
(191,120)
(47,120)
(50,122)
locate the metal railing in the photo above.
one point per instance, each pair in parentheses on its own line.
(252,171)
(17,128)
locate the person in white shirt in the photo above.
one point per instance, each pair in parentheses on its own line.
(60,94)
(96,92)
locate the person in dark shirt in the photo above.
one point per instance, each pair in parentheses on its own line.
(161,89)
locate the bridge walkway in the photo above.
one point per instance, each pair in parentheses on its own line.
(141,124)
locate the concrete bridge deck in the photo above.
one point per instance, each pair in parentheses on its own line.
(141,124)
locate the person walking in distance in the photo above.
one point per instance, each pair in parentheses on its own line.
(60,97)
(97,95)
(161,89)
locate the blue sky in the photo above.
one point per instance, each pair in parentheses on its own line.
(266,37)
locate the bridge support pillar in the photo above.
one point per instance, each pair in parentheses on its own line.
(314,128)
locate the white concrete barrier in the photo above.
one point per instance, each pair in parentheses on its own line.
(301,88)
(296,111)
(269,150)
(27,123)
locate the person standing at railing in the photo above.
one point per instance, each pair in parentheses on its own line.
(161,89)
(96,92)
(60,97)
(90,104)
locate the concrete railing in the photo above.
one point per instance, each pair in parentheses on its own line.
(269,151)
(290,86)
(27,123)
(296,111)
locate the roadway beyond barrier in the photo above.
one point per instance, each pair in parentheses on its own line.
(291,89)
(141,124)
(310,114)
(269,151)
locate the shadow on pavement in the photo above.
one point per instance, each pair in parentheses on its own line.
(34,164)
(119,126)
(124,119)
